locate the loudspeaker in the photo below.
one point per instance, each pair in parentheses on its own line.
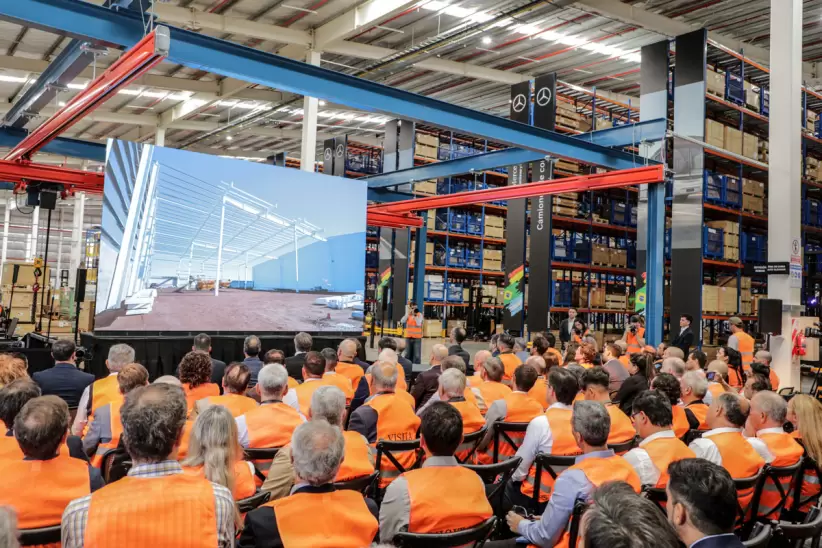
(48,200)
(770,316)
(80,286)
(33,196)
(15,273)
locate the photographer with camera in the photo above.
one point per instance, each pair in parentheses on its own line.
(634,335)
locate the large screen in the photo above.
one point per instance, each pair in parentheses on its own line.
(195,242)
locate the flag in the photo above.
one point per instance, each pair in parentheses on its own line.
(639,303)
(513,298)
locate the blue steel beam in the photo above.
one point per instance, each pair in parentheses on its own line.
(121,28)
(652,130)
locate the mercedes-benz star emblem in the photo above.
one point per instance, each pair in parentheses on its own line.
(519,102)
(339,151)
(328,154)
(543,96)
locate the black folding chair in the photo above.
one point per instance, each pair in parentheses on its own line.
(362,484)
(474,537)
(42,535)
(250,503)
(808,465)
(502,432)
(554,465)
(795,535)
(576,519)
(657,495)
(624,447)
(498,475)
(388,449)
(470,442)
(776,477)
(261,458)
(746,516)
(692,435)
(760,536)
(115,465)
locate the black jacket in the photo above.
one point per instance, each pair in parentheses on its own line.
(254,364)
(425,385)
(65,381)
(684,341)
(217,373)
(564,333)
(294,366)
(458,350)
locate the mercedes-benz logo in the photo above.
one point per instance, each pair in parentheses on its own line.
(328,153)
(543,96)
(339,151)
(519,102)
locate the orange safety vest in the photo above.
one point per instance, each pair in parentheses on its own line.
(271,425)
(412,330)
(739,458)
(396,421)
(564,445)
(102,391)
(176,510)
(401,393)
(185,439)
(786,452)
(774,378)
(116,431)
(474,380)
(734,379)
(716,389)
(352,372)
(520,408)
(472,421)
(622,428)
(199,392)
(470,397)
(492,391)
(445,499)
(39,490)
(244,485)
(539,392)
(680,424)
(9,448)
(401,384)
(633,341)
(700,411)
(557,353)
(746,348)
(625,360)
(664,451)
(510,362)
(579,397)
(337,519)
(603,470)
(332,378)
(237,404)
(292,383)
(305,391)
(358,460)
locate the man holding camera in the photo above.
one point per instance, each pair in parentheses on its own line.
(413,335)
(634,336)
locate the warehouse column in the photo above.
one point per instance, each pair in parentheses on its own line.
(31,246)
(6,220)
(308,150)
(784,177)
(77,239)
(160,137)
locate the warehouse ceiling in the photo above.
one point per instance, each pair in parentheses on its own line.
(467,52)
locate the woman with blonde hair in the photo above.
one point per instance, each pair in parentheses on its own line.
(805,414)
(11,369)
(215,453)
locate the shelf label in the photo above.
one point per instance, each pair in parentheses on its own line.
(796,252)
(796,276)
(769,268)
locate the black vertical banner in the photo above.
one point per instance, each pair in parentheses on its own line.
(513,311)
(399,284)
(389,147)
(539,263)
(405,145)
(384,268)
(340,145)
(328,156)
(279,159)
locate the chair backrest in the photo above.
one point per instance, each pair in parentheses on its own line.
(808,465)
(252,502)
(503,431)
(388,448)
(777,475)
(746,516)
(760,536)
(498,475)
(261,457)
(576,517)
(657,495)
(692,435)
(554,465)
(624,447)
(474,439)
(115,465)
(363,484)
(42,535)
(475,537)
(798,533)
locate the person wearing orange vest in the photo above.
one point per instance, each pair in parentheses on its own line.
(702,511)
(693,388)
(327,404)
(312,374)
(385,416)
(768,414)
(805,415)
(346,367)
(163,505)
(332,378)
(736,372)
(105,429)
(670,386)
(452,391)
(426,383)
(766,358)
(544,344)
(390,356)
(475,380)
(315,514)
(454,362)
(741,342)
(597,465)
(509,360)
(595,383)
(235,385)
(539,391)
(518,406)
(660,446)
(41,483)
(195,374)
(717,376)
(580,331)
(491,388)
(634,336)
(102,391)
(413,335)
(442,496)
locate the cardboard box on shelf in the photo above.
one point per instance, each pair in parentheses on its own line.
(753,204)
(496,266)
(753,188)
(731,281)
(426,187)
(431,219)
(492,254)
(715,133)
(494,220)
(432,328)
(618,257)
(733,140)
(731,253)
(429,259)
(600,255)
(731,240)
(750,146)
(428,140)
(425,151)
(494,232)
(727,297)
(576,276)
(728,227)
(598,297)
(710,298)
(616,301)
(715,83)
(751,96)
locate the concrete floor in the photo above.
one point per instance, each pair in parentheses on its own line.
(232,310)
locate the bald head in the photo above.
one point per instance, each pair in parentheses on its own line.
(768,410)
(347,351)
(438,353)
(383,377)
(538,363)
(480,357)
(388,355)
(718,366)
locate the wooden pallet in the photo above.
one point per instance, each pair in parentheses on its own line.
(753,212)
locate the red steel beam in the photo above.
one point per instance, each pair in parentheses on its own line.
(22,173)
(635,176)
(392,220)
(147,53)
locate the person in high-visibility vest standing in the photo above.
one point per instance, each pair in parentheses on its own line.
(634,336)
(413,335)
(741,342)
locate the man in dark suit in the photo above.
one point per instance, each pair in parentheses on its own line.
(64,379)
(685,338)
(566,329)
(702,504)
(251,350)
(428,382)
(391,343)
(202,342)
(458,335)
(294,364)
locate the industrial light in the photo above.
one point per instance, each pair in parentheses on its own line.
(228,137)
(61,103)
(322,103)
(486,40)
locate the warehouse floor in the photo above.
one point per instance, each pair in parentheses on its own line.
(232,310)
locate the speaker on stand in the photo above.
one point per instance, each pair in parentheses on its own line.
(14,275)
(79,297)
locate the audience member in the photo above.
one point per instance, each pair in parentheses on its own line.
(693,388)
(315,514)
(702,504)
(765,358)
(327,404)
(697,360)
(359,357)
(294,365)
(491,388)
(442,496)
(251,352)
(673,352)
(492,345)
(805,415)
(685,338)
(617,373)
(736,374)
(346,353)
(510,361)
(106,427)
(103,391)
(195,374)
(454,362)
(755,383)
(312,371)
(395,345)
(390,356)
(642,371)
(235,384)
(585,355)
(717,375)
(202,342)
(168,379)
(458,336)
(452,391)
(670,386)
(590,426)
(475,379)
(64,379)
(11,369)
(660,446)
(521,349)
(427,382)
(275,355)
(673,365)
(539,391)
(331,377)
(594,385)
(272,423)
(570,353)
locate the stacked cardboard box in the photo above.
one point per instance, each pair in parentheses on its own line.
(494,226)
(811,168)
(619,257)
(426,146)
(600,255)
(753,188)
(617,301)
(492,259)
(750,146)
(566,204)
(715,83)
(431,219)
(567,165)
(746,304)
(733,140)
(428,188)
(714,133)
(753,196)
(568,117)
(810,121)
(721,300)
(580,297)
(751,96)
(432,328)
(730,231)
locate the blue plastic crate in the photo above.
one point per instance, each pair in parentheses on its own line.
(712,187)
(733,191)
(441,221)
(580,246)
(765,101)
(453,293)
(434,291)
(810,212)
(456,221)
(560,250)
(713,240)
(620,213)
(753,248)
(474,223)
(562,293)
(734,87)
(667,248)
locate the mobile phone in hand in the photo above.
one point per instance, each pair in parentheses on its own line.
(710,375)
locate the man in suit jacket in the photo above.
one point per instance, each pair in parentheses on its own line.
(458,335)
(566,329)
(294,364)
(64,379)
(685,338)
(392,344)
(251,350)
(702,504)
(202,342)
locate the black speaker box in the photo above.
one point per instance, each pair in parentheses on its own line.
(80,286)
(770,316)
(48,200)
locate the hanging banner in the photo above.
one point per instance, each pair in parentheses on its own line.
(389,147)
(340,154)
(399,286)
(328,156)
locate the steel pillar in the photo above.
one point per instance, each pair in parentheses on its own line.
(77,240)
(308,146)
(419,261)
(160,137)
(6,219)
(220,250)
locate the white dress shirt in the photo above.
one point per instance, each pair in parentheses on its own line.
(291,399)
(707,449)
(641,461)
(538,439)
(81,418)
(761,447)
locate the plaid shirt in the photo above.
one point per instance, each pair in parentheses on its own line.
(75,516)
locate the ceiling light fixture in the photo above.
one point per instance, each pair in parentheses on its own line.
(486,40)
(228,137)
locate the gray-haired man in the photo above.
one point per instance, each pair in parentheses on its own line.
(104,391)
